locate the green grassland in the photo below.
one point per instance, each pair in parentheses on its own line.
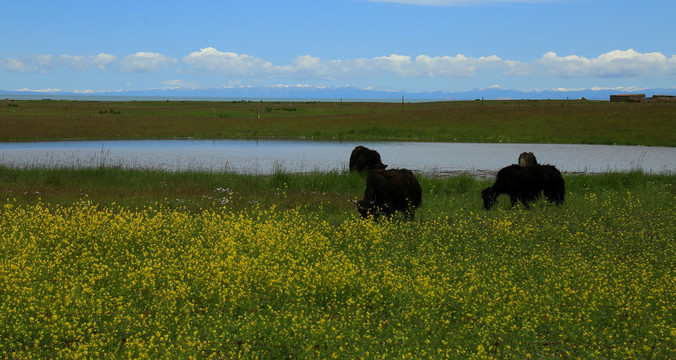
(555,121)
(134,264)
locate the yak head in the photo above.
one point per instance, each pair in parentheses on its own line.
(366,208)
(490,197)
(527,159)
(379,166)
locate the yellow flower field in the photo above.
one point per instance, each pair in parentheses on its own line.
(88,281)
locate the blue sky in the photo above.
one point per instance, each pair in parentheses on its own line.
(402,45)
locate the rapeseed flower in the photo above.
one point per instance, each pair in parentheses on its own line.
(87,281)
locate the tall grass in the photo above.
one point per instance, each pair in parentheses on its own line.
(202,190)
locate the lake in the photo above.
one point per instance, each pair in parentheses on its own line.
(267,156)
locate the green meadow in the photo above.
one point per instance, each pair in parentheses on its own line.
(134,264)
(524,121)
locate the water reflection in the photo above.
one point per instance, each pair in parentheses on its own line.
(266,156)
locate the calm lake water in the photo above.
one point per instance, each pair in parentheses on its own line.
(267,156)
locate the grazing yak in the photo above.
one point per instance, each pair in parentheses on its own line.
(388,191)
(527,159)
(363,159)
(525,184)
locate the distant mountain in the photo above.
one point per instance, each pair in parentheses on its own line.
(336,93)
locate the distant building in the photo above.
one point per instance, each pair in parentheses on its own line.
(627,98)
(660,98)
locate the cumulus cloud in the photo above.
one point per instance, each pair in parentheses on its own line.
(422,66)
(616,63)
(210,60)
(14,65)
(84,63)
(177,84)
(144,62)
(307,64)
(48,63)
(460,66)
(28,64)
(243,67)
(40,90)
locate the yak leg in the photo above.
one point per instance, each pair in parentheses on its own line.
(553,196)
(388,209)
(409,214)
(525,203)
(525,199)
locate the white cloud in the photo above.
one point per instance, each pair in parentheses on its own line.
(144,62)
(177,84)
(83,63)
(28,64)
(210,60)
(307,63)
(236,68)
(613,64)
(48,63)
(40,90)
(422,66)
(617,63)
(14,65)
(101,61)
(461,66)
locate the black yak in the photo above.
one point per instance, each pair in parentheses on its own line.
(525,184)
(364,159)
(527,159)
(388,191)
